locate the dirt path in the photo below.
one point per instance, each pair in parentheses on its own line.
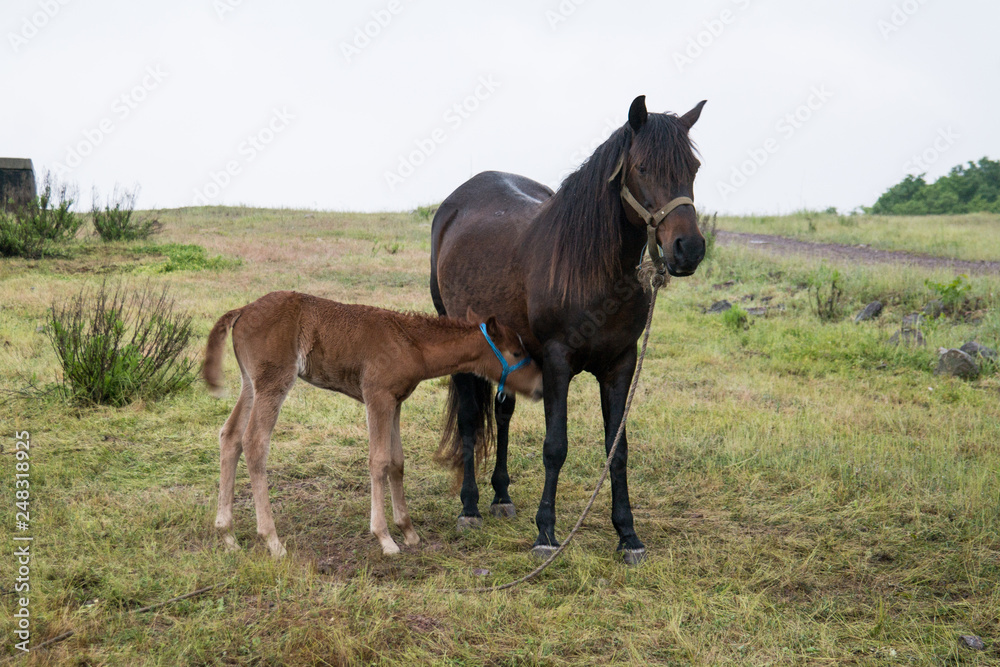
(852,253)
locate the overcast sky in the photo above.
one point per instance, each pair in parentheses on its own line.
(389,104)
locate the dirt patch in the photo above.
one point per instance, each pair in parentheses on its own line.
(851,253)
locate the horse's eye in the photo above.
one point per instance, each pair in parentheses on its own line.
(641,169)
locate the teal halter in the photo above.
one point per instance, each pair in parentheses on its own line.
(507,368)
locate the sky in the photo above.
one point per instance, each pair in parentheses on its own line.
(378,105)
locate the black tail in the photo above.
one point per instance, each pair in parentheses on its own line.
(471,413)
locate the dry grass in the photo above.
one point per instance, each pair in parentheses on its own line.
(807,494)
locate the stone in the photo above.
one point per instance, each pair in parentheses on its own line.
(934,309)
(972,641)
(958,364)
(719,307)
(974,350)
(757,312)
(870,312)
(17,183)
(911,321)
(910,337)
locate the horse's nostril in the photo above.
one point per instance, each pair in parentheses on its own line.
(678,250)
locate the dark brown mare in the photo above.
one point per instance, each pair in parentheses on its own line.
(559,268)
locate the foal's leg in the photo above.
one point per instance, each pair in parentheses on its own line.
(400,514)
(502,505)
(230,448)
(256,444)
(380,411)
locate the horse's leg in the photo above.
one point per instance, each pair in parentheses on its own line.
(468,424)
(230,449)
(502,505)
(400,513)
(380,413)
(556,375)
(614,394)
(256,444)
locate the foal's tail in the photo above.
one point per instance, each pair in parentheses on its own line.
(451,450)
(212,370)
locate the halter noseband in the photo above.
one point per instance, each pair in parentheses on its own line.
(652,220)
(507,368)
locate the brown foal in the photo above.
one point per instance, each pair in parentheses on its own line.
(373,355)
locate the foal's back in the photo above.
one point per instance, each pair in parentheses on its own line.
(332,345)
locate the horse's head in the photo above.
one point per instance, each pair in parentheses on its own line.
(507,361)
(657,183)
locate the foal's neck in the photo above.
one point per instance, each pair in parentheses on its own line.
(449,350)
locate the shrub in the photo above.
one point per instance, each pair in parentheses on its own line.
(952,294)
(117,221)
(709,226)
(825,294)
(34,230)
(118,345)
(736,319)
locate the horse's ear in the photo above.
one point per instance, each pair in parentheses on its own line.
(493,327)
(691,117)
(471,316)
(637,113)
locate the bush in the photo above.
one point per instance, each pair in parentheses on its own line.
(34,230)
(825,294)
(119,345)
(951,295)
(117,221)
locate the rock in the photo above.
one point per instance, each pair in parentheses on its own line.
(974,350)
(757,312)
(972,641)
(957,363)
(934,309)
(911,321)
(480,571)
(871,311)
(911,337)
(719,307)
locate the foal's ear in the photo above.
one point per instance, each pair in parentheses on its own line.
(493,327)
(637,113)
(471,316)
(691,117)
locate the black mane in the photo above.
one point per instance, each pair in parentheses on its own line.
(582,224)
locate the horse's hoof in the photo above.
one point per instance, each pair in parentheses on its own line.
(466,523)
(542,551)
(503,510)
(632,556)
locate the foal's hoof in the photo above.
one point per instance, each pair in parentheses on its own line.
(632,556)
(503,510)
(543,551)
(466,523)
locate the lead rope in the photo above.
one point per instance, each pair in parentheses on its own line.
(655,279)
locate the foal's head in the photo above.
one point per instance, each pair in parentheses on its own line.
(526,379)
(659,167)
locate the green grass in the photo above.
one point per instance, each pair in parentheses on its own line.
(808,494)
(975,236)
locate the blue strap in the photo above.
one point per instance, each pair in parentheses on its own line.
(507,368)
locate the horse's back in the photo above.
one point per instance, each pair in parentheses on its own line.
(475,237)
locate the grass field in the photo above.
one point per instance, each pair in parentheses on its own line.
(808,494)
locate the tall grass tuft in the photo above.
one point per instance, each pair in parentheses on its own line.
(33,231)
(117,219)
(118,345)
(825,293)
